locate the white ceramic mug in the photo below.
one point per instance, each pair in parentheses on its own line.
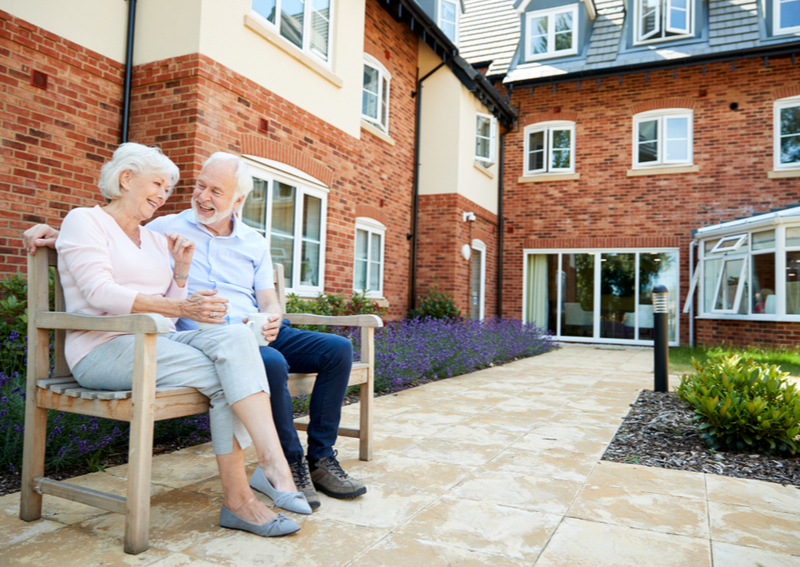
(256,322)
(203,326)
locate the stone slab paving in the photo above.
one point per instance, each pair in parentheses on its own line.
(497,468)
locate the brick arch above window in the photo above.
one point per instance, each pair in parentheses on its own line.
(372,212)
(550,117)
(786,92)
(662,103)
(379,53)
(283,153)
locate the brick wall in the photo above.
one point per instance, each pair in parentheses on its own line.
(733,149)
(744,333)
(442,233)
(54,139)
(192,106)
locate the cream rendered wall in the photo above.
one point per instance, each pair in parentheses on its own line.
(100,25)
(439,125)
(447,137)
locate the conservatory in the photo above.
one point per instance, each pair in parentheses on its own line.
(748,269)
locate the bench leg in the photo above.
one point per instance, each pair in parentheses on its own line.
(367,395)
(140,460)
(30,504)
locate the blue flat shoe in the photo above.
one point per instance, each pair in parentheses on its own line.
(292,501)
(277,527)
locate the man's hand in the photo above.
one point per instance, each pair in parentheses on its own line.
(39,235)
(272,328)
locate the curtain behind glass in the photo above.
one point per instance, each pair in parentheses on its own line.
(536,305)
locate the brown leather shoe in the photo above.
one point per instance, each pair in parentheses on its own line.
(329,478)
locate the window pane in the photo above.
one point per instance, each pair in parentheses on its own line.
(536,151)
(265,8)
(283,201)
(309,264)
(677,146)
(374,276)
(320,27)
(617,292)
(369,100)
(447,19)
(708,245)
(360,280)
(563,37)
(678,15)
(711,270)
(729,284)
(292,14)
(561,149)
(577,295)
(655,268)
(482,148)
(538,31)
(385,103)
(362,237)
(793,237)
(648,141)
(648,17)
(764,240)
(254,212)
(312,217)
(790,131)
(763,287)
(375,248)
(790,13)
(793,283)
(281,249)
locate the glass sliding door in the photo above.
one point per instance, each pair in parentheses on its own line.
(656,268)
(617,295)
(577,295)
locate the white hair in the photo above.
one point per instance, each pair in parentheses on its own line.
(244,179)
(138,159)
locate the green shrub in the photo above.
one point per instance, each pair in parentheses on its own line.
(437,305)
(333,304)
(743,405)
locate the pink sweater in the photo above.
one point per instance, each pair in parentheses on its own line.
(102,272)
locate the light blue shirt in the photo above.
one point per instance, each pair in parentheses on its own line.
(236,265)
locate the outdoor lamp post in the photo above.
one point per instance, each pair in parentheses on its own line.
(660,339)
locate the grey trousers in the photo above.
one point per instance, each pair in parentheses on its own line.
(223,363)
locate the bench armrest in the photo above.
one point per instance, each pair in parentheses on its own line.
(339,321)
(138,323)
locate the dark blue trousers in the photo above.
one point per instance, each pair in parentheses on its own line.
(330,357)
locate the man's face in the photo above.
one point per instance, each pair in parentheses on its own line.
(214,197)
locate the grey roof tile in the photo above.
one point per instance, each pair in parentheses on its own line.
(489,31)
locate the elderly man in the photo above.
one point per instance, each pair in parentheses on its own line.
(233,259)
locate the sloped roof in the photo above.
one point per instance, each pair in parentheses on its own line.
(489,32)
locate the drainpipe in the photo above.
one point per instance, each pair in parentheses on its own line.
(126,102)
(692,246)
(500,223)
(415,212)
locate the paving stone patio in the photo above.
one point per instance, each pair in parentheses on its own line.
(497,468)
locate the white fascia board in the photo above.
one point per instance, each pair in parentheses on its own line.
(758,221)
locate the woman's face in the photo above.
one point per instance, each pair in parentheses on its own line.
(143,194)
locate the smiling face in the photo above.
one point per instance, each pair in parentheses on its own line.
(214,198)
(143,194)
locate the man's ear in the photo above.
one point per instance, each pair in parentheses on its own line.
(237,204)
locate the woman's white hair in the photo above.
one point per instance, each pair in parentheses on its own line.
(244,179)
(138,159)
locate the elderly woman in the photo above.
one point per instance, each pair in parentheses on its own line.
(111,265)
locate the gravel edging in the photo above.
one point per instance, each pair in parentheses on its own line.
(659,432)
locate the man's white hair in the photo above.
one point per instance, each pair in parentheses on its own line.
(138,159)
(244,179)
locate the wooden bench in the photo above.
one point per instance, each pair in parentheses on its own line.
(142,406)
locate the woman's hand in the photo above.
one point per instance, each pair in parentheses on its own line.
(204,307)
(182,250)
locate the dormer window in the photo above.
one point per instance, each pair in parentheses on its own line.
(448,19)
(663,20)
(551,33)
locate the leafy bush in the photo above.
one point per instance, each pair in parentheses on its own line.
(743,405)
(436,305)
(13,306)
(335,304)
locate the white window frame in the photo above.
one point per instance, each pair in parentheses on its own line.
(739,287)
(457,10)
(480,246)
(490,159)
(663,12)
(547,128)
(661,116)
(371,227)
(778,106)
(776,20)
(270,172)
(383,74)
(729,243)
(551,26)
(306,48)
(674,294)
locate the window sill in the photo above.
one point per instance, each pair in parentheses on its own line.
(291,49)
(783,174)
(669,170)
(768,318)
(483,169)
(549,177)
(377,132)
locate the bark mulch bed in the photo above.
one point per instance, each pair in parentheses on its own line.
(659,432)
